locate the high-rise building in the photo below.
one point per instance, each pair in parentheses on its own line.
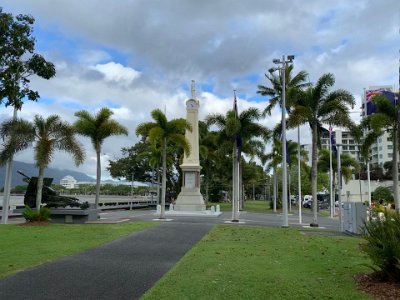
(343,138)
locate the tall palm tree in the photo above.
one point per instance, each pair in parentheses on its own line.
(292,82)
(316,106)
(386,118)
(98,127)
(296,82)
(245,126)
(47,136)
(163,132)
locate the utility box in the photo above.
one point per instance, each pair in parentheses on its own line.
(354,215)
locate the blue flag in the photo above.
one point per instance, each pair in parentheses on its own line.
(287,153)
(333,140)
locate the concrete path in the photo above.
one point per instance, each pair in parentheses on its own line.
(122,269)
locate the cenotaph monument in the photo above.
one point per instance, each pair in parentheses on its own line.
(190,198)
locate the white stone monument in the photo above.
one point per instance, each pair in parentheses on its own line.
(190,198)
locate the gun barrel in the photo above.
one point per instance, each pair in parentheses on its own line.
(23,174)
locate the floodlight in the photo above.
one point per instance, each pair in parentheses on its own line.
(276,61)
(290,57)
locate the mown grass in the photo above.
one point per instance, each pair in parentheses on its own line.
(26,246)
(249,205)
(234,262)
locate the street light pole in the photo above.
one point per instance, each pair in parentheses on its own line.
(283,64)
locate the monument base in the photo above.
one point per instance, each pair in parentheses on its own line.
(189,201)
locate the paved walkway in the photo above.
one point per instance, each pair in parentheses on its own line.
(122,269)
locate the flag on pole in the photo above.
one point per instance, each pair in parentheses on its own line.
(287,152)
(371,107)
(238,137)
(369,95)
(332,139)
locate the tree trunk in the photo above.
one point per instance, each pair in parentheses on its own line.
(207,190)
(164,179)
(39,188)
(158,186)
(98,177)
(395,170)
(314,173)
(241,188)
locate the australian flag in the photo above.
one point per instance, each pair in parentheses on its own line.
(371,107)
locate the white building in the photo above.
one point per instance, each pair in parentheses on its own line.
(343,138)
(68,182)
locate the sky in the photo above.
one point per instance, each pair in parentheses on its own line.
(134,56)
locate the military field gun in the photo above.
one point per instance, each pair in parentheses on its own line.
(49,196)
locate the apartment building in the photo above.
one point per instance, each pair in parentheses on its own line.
(68,182)
(343,138)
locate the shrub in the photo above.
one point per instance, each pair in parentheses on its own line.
(383,246)
(33,215)
(278,204)
(382,195)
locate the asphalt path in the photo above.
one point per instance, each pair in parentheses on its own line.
(127,267)
(122,269)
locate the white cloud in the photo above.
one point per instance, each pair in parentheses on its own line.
(117,73)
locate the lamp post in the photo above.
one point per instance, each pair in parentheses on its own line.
(283,62)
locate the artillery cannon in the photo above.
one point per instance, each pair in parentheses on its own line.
(49,196)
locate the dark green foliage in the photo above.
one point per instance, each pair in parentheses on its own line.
(382,194)
(34,216)
(18,60)
(84,205)
(383,244)
(278,204)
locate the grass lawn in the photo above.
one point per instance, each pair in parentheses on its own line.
(26,246)
(237,262)
(249,205)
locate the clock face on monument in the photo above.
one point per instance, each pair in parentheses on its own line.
(192,104)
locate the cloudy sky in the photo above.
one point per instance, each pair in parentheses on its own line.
(137,55)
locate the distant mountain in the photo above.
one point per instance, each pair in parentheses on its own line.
(31,170)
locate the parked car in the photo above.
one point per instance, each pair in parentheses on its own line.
(307,203)
(321,204)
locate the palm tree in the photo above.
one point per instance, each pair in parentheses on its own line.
(348,164)
(47,136)
(244,126)
(163,132)
(317,106)
(98,128)
(275,92)
(386,118)
(275,158)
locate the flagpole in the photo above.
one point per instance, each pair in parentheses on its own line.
(299,175)
(339,187)
(235,173)
(331,173)
(367,158)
